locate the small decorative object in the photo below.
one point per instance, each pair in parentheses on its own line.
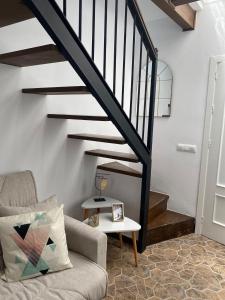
(118,212)
(101,183)
(93,220)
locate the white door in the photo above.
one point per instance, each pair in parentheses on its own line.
(214,194)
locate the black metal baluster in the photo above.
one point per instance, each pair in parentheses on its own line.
(64,7)
(115,46)
(145,98)
(139,84)
(105,38)
(80,19)
(152,103)
(132,70)
(124,52)
(93,30)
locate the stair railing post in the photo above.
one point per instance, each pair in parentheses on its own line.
(146,174)
(145,188)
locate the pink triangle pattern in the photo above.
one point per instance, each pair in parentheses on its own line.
(34,243)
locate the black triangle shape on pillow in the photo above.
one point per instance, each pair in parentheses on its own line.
(50,242)
(22,230)
(43,272)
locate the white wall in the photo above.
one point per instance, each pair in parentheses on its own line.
(188,54)
(31,141)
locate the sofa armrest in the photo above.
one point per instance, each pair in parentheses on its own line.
(86,240)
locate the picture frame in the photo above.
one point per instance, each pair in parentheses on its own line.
(118,212)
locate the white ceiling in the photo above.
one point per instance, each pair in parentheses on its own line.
(150,11)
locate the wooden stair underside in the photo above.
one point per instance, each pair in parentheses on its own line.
(113,155)
(98,138)
(164,224)
(78,117)
(63,90)
(33,56)
(13,11)
(116,167)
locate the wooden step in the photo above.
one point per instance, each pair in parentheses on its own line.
(97,138)
(78,117)
(113,155)
(13,11)
(169,225)
(117,167)
(33,56)
(63,90)
(157,204)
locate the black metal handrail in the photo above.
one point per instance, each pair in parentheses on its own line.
(130,10)
(143,31)
(70,44)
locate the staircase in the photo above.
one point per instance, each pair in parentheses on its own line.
(133,131)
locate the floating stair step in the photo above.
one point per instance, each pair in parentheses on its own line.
(169,225)
(33,56)
(117,167)
(157,204)
(78,117)
(64,90)
(113,155)
(97,138)
(13,11)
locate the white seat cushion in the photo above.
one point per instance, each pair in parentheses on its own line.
(86,280)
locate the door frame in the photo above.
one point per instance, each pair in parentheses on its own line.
(214,61)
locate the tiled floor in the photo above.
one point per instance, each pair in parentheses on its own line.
(190,267)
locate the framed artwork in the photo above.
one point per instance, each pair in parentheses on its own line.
(118,212)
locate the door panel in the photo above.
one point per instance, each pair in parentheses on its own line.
(214,205)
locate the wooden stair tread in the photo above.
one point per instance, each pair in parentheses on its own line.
(98,138)
(155,198)
(113,155)
(13,11)
(168,217)
(169,225)
(33,56)
(117,167)
(78,117)
(64,90)
(157,204)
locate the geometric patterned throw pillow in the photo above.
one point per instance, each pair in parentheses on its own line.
(34,244)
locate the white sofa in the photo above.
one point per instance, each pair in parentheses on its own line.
(87,251)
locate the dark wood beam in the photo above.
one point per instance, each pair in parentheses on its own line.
(184,15)
(181,2)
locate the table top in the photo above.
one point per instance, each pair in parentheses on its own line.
(91,204)
(107,225)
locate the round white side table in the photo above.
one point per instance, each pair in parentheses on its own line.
(107,225)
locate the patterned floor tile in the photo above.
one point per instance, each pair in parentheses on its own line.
(187,268)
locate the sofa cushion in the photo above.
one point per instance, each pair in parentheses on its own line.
(86,281)
(34,244)
(47,204)
(18,189)
(5,211)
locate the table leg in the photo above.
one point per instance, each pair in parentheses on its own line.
(121,240)
(98,210)
(85,213)
(135,248)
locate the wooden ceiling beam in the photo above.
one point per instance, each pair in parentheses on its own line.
(184,15)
